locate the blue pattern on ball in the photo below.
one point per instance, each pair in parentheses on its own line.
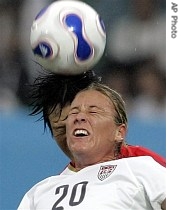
(43,50)
(102,24)
(74,24)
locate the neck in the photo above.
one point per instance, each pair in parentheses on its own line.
(82,163)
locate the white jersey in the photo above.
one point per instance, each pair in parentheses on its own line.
(134,183)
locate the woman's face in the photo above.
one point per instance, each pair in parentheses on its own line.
(58,124)
(90,127)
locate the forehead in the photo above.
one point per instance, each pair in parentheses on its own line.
(91,97)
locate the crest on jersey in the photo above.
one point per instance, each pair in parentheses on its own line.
(105,171)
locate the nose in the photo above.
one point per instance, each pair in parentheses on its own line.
(80,118)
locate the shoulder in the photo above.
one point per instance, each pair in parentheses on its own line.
(143,163)
(146,170)
(41,184)
(135,150)
(147,159)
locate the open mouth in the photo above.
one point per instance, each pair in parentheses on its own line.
(81,133)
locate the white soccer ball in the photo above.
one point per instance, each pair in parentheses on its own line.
(68,37)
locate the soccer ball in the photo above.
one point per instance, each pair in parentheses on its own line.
(68,37)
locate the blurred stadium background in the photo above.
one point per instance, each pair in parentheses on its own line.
(134,63)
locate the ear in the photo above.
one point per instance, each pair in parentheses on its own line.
(121,133)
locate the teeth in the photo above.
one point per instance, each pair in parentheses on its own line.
(81,132)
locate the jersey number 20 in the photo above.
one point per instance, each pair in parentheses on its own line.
(64,189)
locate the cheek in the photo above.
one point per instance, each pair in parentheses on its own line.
(69,123)
(106,130)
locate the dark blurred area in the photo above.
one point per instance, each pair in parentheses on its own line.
(134,62)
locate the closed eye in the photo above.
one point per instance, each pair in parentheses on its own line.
(90,110)
(93,112)
(73,111)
